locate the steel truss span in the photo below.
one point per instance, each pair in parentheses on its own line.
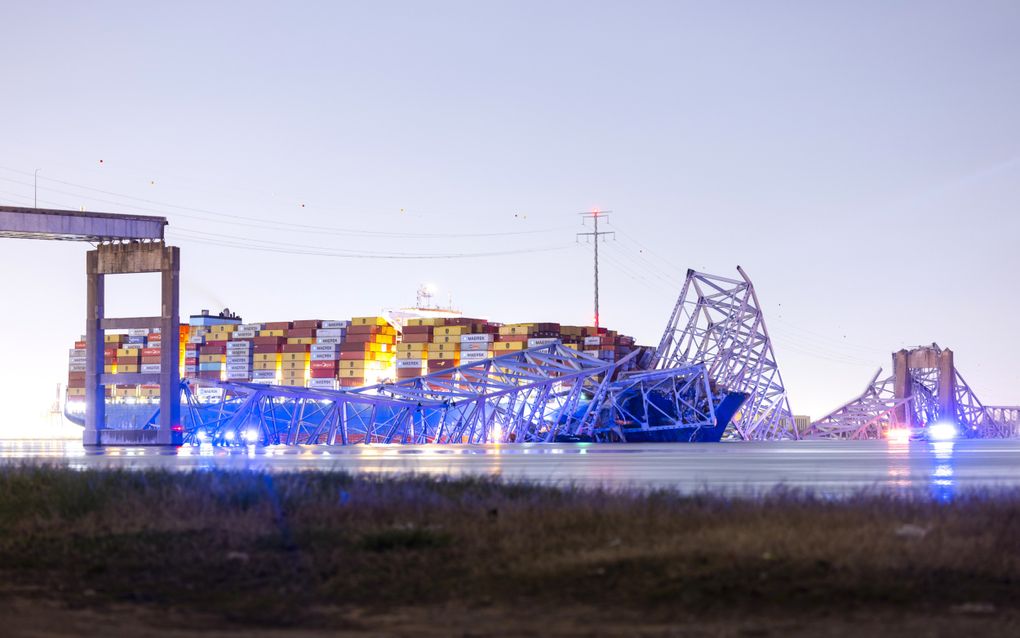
(878,409)
(718,322)
(534,395)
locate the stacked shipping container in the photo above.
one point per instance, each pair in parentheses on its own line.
(329,354)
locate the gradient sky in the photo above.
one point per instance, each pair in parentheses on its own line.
(859,159)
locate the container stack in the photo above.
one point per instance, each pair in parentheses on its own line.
(76,360)
(212,354)
(267,349)
(367,353)
(413,349)
(324,365)
(271,343)
(297,352)
(239,356)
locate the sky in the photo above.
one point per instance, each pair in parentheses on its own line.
(860,160)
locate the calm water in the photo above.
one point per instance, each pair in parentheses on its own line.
(938,469)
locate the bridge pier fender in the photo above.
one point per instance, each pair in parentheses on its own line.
(129,258)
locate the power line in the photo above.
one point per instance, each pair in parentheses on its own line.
(265,223)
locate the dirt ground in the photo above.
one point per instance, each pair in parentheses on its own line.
(34,618)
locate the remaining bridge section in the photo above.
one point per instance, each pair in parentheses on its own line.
(69,225)
(127,244)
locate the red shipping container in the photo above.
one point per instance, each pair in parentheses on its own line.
(321,373)
(354,346)
(417,338)
(295,347)
(323,365)
(268,341)
(191,362)
(151,360)
(265,349)
(278,325)
(79,345)
(211,349)
(151,352)
(363,330)
(308,323)
(301,333)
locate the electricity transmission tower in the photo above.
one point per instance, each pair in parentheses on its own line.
(595,215)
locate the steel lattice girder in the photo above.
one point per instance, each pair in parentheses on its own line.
(866,417)
(531,395)
(718,321)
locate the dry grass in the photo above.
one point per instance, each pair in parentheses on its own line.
(288,549)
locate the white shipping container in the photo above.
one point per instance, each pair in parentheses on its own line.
(76,367)
(542,341)
(467,347)
(476,338)
(237,375)
(331,332)
(239,346)
(243,334)
(592,341)
(132,346)
(154,331)
(151,368)
(77,351)
(138,332)
(233,359)
(266,381)
(328,325)
(322,384)
(209,395)
(328,340)
(410,363)
(191,367)
(474,355)
(238,367)
(323,356)
(78,358)
(263,374)
(324,347)
(196,339)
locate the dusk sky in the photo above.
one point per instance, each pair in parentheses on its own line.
(861,160)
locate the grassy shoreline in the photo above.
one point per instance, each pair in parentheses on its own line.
(308,550)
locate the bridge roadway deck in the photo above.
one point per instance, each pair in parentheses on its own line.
(939,470)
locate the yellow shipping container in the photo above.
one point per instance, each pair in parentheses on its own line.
(123,368)
(297,382)
(516,329)
(111,369)
(412,347)
(211,358)
(412,354)
(301,340)
(294,356)
(128,352)
(272,333)
(451,330)
(446,338)
(265,365)
(292,374)
(293,365)
(453,346)
(574,331)
(508,345)
(76,392)
(369,321)
(266,357)
(108,338)
(444,355)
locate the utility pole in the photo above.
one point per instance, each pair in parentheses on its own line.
(595,215)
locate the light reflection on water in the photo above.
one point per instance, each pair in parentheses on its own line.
(938,470)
